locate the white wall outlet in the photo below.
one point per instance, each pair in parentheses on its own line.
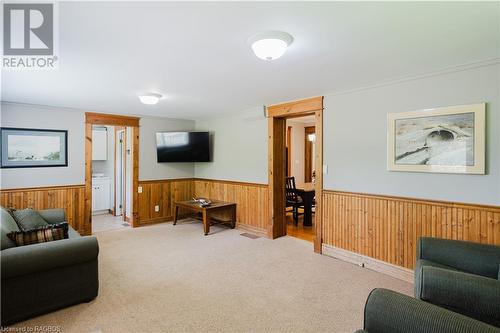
(325,169)
(139,189)
(157,208)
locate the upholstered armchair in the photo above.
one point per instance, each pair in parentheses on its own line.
(460,276)
(387,311)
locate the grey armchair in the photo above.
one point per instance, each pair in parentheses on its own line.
(460,276)
(43,277)
(387,311)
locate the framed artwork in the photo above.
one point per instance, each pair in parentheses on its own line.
(448,139)
(32,148)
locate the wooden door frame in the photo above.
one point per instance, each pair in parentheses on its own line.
(123,152)
(289,150)
(277,115)
(91,119)
(308,153)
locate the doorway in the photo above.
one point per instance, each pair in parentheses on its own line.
(111,171)
(278,166)
(111,179)
(300,171)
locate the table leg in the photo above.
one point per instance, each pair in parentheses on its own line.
(308,200)
(206,222)
(176,214)
(233,222)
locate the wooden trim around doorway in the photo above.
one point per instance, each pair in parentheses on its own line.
(308,153)
(114,120)
(277,115)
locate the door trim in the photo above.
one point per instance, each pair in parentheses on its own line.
(277,115)
(92,118)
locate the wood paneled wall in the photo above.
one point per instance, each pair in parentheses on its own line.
(251,199)
(163,193)
(387,228)
(71,198)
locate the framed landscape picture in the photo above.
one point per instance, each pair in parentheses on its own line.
(448,139)
(31,148)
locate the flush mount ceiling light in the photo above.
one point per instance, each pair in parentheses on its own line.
(150,99)
(270,45)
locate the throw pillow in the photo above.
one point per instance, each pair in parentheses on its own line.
(28,219)
(48,233)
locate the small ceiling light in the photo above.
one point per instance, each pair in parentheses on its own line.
(150,99)
(270,45)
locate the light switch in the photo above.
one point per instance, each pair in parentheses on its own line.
(325,169)
(157,208)
(139,190)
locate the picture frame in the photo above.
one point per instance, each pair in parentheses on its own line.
(440,140)
(33,148)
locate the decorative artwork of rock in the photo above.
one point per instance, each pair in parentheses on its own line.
(449,139)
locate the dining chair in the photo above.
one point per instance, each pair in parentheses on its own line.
(292,199)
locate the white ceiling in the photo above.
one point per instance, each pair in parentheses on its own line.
(197,53)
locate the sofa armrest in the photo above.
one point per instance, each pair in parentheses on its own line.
(29,259)
(475,258)
(387,311)
(471,295)
(53,216)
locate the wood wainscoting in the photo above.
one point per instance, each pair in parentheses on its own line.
(252,201)
(162,193)
(70,197)
(387,228)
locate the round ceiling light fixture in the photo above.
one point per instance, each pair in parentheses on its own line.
(270,45)
(150,98)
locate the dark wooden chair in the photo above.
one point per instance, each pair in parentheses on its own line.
(292,199)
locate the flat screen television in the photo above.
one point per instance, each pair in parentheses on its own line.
(183,146)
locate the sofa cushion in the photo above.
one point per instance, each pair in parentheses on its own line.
(7,225)
(418,274)
(28,219)
(43,234)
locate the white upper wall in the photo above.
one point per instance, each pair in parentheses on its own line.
(45,117)
(355,137)
(239,147)
(149,168)
(28,116)
(355,144)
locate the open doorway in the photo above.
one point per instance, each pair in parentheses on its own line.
(111,172)
(111,179)
(280,159)
(299,185)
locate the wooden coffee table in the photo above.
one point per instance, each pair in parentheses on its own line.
(217,212)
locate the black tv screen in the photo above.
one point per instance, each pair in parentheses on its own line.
(183,147)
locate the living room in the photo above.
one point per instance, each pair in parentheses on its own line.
(402,209)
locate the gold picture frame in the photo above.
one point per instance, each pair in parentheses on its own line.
(443,140)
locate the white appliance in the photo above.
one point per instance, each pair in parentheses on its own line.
(99,144)
(101,195)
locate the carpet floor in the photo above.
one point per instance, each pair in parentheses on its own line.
(165,278)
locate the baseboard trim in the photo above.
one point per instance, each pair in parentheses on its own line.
(398,272)
(252,229)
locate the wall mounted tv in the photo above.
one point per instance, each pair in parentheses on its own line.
(183,146)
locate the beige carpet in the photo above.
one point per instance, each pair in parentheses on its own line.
(173,279)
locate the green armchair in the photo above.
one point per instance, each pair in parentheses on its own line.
(43,277)
(460,276)
(387,311)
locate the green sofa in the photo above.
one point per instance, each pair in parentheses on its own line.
(460,276)
(387,311)
(44,277)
